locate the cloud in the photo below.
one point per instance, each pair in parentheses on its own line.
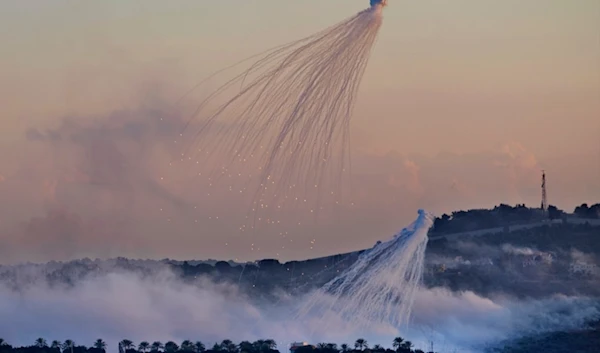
(97,178)
(62,234)
(517,157)
(521,167)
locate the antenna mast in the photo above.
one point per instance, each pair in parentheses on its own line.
(544,196)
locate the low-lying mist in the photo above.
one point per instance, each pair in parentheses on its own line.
(117,304)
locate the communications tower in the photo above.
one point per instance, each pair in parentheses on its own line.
(544,196)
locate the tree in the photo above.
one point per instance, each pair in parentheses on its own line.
(378,347)
(361,344)
(229,346)
(397,343)
(246,347)
(55,344)
(100,344)
(3,343)
(199,347)
(271,344)
(332,347)
(171,347)
(259,345)
(40,343)
(144,346)
(344,347)
(407,346)
(156,346)
(68,345)
(127,344)
(582,211)
(187,346)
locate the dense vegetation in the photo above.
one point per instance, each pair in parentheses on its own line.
(505,215)
(227,346)
(524,263)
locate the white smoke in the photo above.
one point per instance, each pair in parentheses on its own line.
(469,322)
(380,287)
(516,250)
(121,305)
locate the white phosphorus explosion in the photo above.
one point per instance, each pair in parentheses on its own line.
(379,288)
(290,113)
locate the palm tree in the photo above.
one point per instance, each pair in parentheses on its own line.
(407,346)
(144,346)
(100,344)
(127,344)
(398,341)
(361,344)
(187,346)
(157,346)
(68,346)
(199,347)
(41,343)
(344,347)
(171,347)
(55,345)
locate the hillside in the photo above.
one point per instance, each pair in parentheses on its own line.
(559,256)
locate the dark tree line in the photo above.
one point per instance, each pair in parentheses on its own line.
(585,211)
(188,346)
(503,215)
(499,216)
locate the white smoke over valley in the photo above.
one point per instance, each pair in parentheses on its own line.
(117,304)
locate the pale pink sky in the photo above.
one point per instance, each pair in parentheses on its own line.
(462,105)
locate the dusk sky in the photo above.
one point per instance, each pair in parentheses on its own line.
(464,102)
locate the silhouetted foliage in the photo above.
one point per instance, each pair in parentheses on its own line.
(187,346)
(589,212)
(500,216)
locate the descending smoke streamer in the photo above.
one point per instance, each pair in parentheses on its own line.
(378,289)
(292,111)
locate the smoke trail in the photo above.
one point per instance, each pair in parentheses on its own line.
(290,116)
(379,288)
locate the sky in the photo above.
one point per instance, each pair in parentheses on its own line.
(463,104)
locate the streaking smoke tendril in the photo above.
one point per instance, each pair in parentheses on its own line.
(292,111)
(380,287)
